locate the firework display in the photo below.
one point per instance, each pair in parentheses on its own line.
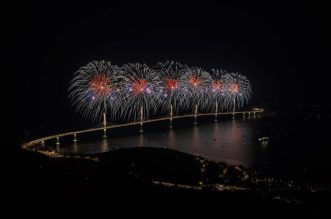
(195,88)
(135,91)
(140,89)
(93,90)
(170,74)
(239,90)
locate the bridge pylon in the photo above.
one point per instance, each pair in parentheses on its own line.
(171,116)
(75,138)
(195,115)
(104,133)
(57,140)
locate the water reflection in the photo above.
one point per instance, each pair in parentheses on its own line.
(172,141)
(75,146)
(141,142)
(232,141)
(105,145)
(195,140)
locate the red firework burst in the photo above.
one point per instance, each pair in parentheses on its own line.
(171,84)
(193,80)
(234,88)
(100,85)
(217,86)
(139,86)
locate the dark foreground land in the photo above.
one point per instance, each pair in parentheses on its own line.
(139,181)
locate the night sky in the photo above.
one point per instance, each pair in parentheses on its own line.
(281,48)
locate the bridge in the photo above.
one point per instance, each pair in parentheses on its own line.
(41,141)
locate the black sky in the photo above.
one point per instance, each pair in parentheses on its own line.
(281,48)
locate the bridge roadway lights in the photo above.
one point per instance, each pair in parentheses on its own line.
(255,114)
(75,137)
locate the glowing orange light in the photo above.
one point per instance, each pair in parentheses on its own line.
(139,86)
(171,84)
(234,88)
(100,85)
(217,85)
(194,81)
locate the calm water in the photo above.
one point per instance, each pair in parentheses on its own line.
(299,145)
(231,141)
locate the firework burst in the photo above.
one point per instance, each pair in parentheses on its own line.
(170,74)
(140,89)
(218,85)
(238,90)
(195,88)
(135,90)
(93,90)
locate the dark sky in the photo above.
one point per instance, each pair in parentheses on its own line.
(281,48)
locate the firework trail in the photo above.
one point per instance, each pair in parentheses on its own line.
(140,91)
(93,90)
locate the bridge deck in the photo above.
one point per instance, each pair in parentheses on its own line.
(39,140)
